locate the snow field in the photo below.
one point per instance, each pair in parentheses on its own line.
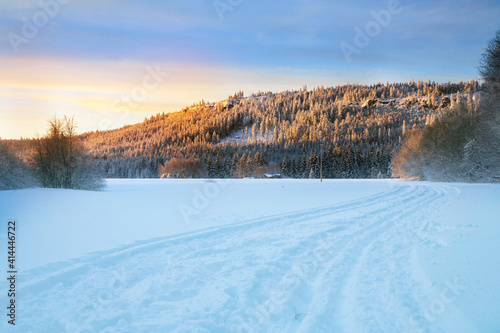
(259,256)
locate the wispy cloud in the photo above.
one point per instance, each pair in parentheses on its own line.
(90,89)
(91,52)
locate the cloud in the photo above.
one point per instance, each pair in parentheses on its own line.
(291,33)
(120,91)
(91,53)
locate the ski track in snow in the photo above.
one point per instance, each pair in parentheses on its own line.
(343,268)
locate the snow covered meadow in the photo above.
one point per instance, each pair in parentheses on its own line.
(256,256)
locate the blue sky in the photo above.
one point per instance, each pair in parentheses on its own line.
(83,56)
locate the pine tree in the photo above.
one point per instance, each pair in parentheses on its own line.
(284,167)
(293,169)
(303,171)
(258,159)
(218,170)
(313,165)
(210,168)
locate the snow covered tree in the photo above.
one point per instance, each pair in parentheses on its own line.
(14,174)
(313,165)
(211,168)
(258,159)
(285,167)
(482,151)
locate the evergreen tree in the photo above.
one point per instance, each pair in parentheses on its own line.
(284,167)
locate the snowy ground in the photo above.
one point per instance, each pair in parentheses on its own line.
(256,256)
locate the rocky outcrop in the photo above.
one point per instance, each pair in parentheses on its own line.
(408,102)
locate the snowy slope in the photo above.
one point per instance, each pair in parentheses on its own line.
(257,256)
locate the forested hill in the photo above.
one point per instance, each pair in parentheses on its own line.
(357,127)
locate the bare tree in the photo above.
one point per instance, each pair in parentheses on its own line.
(60,161)
(490,64)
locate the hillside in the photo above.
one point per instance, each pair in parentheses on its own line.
(359,126)
(358,129)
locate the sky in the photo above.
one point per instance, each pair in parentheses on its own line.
(110,63)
